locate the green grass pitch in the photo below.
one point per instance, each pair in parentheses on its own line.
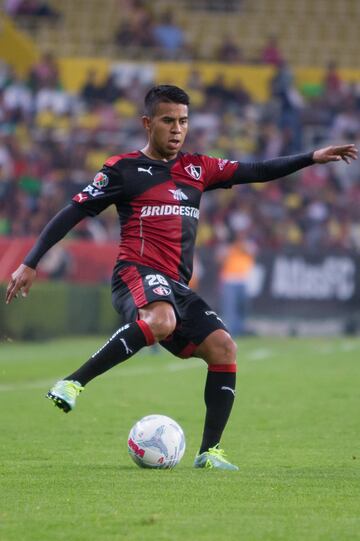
(294,432)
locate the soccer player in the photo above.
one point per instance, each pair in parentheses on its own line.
(157,192)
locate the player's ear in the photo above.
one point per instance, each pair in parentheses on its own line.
(146,121)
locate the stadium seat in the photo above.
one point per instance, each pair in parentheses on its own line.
(87,29)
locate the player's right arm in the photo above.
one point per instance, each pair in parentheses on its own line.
(55,230)
(105,190)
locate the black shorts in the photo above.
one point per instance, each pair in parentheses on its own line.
(134,286)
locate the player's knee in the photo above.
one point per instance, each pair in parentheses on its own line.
(223,351)
(218,348)
(161,320)
(163,326)
(228,349)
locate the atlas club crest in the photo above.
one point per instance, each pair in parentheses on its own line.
(194,171)
(162,290)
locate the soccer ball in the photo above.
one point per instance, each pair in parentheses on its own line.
(156,441)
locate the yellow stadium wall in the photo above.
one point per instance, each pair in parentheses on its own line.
(254,78)
(20,51)
(315,75)
(16,48)
(74,71)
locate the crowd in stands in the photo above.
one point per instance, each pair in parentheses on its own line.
(140,29)
(52,143)
(144,32)
(30,8)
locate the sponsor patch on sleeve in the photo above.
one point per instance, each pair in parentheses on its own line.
(100,180)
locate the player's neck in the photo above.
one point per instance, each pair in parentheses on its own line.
(153,154)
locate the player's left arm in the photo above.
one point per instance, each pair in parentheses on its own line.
(335,154)
(283,166)
(224,173)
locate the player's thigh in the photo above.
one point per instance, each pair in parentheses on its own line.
(145,293)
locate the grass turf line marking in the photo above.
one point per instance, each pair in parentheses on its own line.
(256,355)
(259,354)
(132,371)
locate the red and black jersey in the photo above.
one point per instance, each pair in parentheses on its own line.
(158,205)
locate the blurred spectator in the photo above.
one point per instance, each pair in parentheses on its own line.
(52,100)
(271,53)
(12,7)
(110,90)
(270,141)
(135,11)
(136,27)
(333,87)
(229,51)
(238,261)
(290,103)
(217,94)
(90,92)
(18,99)
(196,89)
(239,95)
(169,37)
(282,81)
(347,123)
(30,8)
(130,36)
(45,73)
(6,74)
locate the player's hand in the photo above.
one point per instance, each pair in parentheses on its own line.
(21,280)
(335,154)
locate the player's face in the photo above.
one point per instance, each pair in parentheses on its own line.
(167,129)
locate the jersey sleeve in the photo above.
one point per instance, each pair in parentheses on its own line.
(224,173)
(219,173)
(106,189)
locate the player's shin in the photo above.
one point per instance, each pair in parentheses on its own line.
(122,345)
(219,398)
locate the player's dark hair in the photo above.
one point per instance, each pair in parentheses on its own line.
(164,93)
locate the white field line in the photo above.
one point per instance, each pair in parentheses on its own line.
(187,364)
(324,349)
(259,354)
(342,347)
(349,346)
(131,371)
(128,371)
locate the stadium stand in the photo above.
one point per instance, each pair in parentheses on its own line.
(52,142)
(328,28)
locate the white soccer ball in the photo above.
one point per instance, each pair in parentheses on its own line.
(156,441)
